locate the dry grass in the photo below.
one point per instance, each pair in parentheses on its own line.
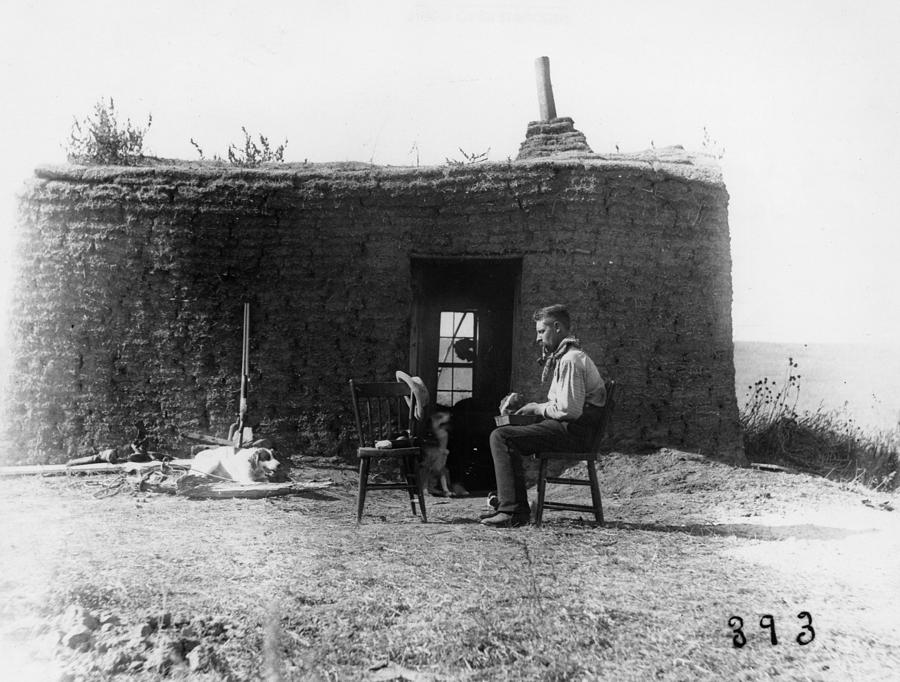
(825,442)
(290,588)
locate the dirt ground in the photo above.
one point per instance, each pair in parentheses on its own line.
(100,582)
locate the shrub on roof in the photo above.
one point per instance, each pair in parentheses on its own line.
(100,139)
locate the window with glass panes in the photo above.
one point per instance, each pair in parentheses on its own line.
(456,356)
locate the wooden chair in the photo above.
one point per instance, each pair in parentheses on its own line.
(589,458)
(386,411)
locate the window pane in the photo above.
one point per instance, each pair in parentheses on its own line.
(445,398)
(462,379)
(465,322)
(445,379)
(445,354)
(447,326)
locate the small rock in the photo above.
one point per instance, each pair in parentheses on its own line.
(76,616)
(190,632)
(201,658)
(110,619)
(74,639)
(195,659)
(158,661)
(142,630)
(168,653)
(117,662)
(215,629)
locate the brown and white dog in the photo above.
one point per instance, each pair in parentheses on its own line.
(247,465)
(435,474)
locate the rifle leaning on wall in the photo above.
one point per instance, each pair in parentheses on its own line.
(238,426)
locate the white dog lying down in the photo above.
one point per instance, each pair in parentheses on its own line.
(247,465)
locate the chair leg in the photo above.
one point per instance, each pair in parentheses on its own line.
(364,464)
(542,489)
(595,491)
(420,487)
(406,473)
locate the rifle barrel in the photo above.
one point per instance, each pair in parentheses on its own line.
(245,376)
(245,361)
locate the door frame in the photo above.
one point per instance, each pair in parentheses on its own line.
(507,269)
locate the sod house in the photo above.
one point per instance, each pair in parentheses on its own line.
(128,311)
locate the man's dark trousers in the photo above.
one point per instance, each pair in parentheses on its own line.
(509,444)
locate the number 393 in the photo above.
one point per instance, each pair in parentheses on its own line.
(806,635)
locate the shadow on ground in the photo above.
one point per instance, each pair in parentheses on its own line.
(806,531)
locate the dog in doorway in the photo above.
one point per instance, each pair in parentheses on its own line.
(435,474)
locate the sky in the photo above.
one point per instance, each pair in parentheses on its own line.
(801,98)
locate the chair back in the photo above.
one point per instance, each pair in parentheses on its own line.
(606,417)
(383,410)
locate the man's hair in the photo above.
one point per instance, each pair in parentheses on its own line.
(557,312)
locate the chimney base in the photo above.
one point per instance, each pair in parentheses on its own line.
(547,138)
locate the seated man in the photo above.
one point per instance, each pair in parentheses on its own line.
(571,414)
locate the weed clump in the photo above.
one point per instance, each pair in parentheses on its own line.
(824,442)
(470,159)
(249,154)
(252,155)
(101,139)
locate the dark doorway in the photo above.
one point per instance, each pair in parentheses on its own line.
(462,350)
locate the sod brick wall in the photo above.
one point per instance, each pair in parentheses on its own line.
(128,306)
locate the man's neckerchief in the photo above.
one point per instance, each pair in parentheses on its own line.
(549,361)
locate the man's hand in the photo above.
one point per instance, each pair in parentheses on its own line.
(531,408)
